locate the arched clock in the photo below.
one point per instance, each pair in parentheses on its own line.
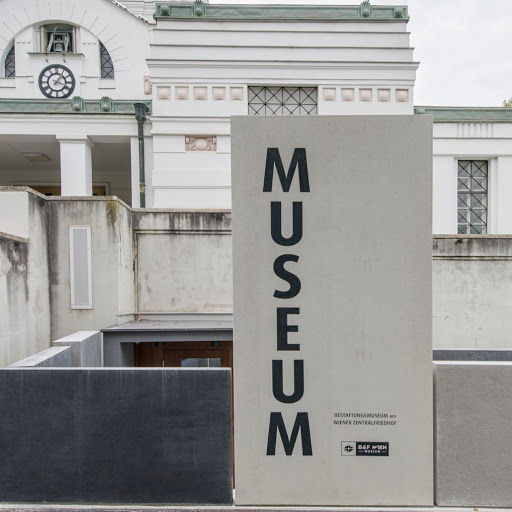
(56,81)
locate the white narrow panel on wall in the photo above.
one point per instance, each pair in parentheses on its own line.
(80,267)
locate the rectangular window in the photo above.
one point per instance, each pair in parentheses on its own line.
(282,101)
(472,186)
(80,267)
(56,38)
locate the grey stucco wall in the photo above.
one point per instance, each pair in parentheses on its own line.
(115,436)
(24,283)
(472,291)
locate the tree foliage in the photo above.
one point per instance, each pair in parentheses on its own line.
(507,103)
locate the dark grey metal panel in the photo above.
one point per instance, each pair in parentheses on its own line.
(115,436)
(472,355)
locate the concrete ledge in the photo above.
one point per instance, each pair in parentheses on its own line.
(463,354)
(85,347)
(137,508)
(473,418)
(54,357)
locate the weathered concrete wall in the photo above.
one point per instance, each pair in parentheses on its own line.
(53,357)
(115,436)
(111,263)
(184,261)
(473,411)
(472,291)
(171,261)
(24,280)
(85,348)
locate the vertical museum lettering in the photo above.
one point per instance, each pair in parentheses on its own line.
(283,323)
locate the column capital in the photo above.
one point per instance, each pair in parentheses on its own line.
(75,139)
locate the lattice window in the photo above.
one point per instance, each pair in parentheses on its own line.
(107,67)
(472,197)
(10,64)
(282,101)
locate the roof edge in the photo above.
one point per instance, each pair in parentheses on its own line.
(198,10)
(467,114)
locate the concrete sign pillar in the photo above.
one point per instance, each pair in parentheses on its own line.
(332,244)
(76,167)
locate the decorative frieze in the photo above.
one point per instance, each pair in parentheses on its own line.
(402,95)
(77,104)
(200,9)
(182,93)
(200,143)
(383,94)
(163,92)
(219,93)
(200,93)
(329,94)
(347,94)
(148,88)
(106,104)
(365,95)
(237,93)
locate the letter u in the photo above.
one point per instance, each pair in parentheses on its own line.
(278,384)
(276,224)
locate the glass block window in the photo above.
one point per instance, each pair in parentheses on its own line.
(282,101)
(10,64)
(472,197)
(107,67)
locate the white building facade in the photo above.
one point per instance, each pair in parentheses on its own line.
(194,65)
(135,101)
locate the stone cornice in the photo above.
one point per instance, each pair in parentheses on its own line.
(467,114)
(75,105)
(198,10)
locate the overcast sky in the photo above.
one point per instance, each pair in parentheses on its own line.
(464,48)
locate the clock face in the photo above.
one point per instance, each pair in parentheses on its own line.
(56,81)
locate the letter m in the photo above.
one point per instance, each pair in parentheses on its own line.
(274,161)
(277,423)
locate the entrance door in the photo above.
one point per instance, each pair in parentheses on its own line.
(197,358)
(193,354)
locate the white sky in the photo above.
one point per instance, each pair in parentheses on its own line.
(463,46)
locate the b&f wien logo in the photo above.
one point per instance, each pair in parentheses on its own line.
(348,448)
(365,448)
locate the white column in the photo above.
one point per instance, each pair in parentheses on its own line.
(500,205)
(134,153)
(76,166)
(445,196)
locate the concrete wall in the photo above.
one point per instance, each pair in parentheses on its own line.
(111,263)
(157,262)
(115,436)
(183,262)
(472,291)
(85,347)
(53,357)
(24,277)
(473,410)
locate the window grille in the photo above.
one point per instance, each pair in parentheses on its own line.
(282,101)
(107,67)
(472,197)
(10,64)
